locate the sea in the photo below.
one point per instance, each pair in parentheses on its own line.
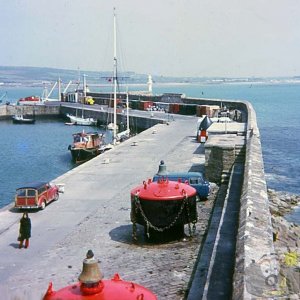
(40,151)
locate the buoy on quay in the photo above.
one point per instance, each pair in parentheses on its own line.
(163,208)
(92,286)
(204,125)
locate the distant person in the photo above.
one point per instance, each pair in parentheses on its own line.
(25,230)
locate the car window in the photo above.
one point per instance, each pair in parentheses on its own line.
(21,193)
(193,180)
(31,193)
(42,189)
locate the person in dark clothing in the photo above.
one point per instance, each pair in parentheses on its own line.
(25,230)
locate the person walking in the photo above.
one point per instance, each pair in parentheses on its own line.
(25,230)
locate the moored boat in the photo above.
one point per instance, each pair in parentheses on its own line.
(19,119)
(81,121)
(86,146)
(111,126)
(30,100)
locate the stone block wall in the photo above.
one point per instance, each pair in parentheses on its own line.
(254,245)
(221,152)
(6,111)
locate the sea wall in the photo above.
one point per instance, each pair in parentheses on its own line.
(255,239)
(6,111)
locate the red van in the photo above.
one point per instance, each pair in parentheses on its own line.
(36,195)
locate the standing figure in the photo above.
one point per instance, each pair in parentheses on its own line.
(25,230)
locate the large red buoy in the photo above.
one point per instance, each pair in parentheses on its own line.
(92,287)
(163,208)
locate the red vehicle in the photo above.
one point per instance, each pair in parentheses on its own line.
(36,195)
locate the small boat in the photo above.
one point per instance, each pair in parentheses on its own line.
(111,126)
(19,119)
(81,121)
(86,146)
(31,100)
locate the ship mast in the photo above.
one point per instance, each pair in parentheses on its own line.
(115,82)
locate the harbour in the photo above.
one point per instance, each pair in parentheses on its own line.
(164,171)
(96,215)
(179,158)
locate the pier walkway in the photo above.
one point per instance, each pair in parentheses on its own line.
(94,213)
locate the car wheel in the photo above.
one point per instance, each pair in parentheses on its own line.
(43,205)
(56,197)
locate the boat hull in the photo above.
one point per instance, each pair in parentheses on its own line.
(80,155)
(23,121)
(82,121)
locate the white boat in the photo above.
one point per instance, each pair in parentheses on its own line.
(19,119)
(81,121)
(111,126)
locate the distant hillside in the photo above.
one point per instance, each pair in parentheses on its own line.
(35,75)
(38,76)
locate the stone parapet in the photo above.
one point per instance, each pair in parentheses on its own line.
(6,111)
(221,152)
(254,245)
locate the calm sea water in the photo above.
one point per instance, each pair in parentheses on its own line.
(39,152)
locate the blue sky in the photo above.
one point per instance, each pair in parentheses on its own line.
(229,38)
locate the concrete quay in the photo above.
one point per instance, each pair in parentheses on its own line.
(94,213)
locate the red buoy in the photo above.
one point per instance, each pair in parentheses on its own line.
(92,287)
(163,208)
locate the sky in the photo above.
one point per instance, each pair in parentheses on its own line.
(182,38)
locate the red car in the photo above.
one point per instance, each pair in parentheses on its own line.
(36,195)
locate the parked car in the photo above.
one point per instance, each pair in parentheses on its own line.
(36,195)
(194,179)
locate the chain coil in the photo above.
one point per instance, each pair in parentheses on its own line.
(138,207)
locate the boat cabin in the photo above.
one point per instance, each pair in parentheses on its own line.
(86,140)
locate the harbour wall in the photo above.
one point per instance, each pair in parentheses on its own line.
(254,239)
(6,111)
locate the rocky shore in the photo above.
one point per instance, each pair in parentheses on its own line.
(286,236)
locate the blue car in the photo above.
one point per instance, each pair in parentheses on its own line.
(194,179)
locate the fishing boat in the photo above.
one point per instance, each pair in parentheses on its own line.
(74,120)
(30,100)
(20,119)
(86,146)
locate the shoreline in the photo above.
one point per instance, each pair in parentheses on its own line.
(286,237)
